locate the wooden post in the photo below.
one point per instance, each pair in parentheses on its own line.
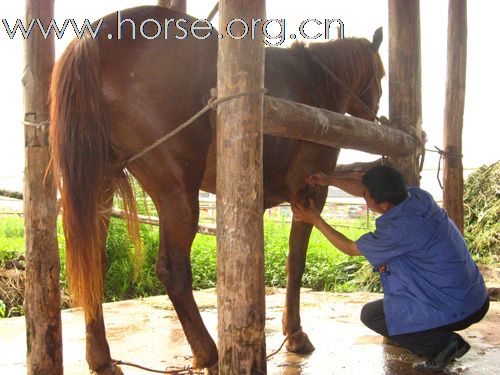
(42,295)
(284,118)
(405,94)
(179,5)
(240,244)
(454,111)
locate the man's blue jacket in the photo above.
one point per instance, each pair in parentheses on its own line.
(427,272)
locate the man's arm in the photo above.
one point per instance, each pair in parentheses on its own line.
(338,240)
(311,215)
(348,182)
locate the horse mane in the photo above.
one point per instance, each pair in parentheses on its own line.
(353,60)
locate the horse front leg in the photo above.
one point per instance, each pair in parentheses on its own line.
(178,227)
(297,340)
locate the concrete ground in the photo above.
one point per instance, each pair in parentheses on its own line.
(147,332)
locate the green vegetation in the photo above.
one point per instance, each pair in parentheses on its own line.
(11,238)
(482,213)
(326,268)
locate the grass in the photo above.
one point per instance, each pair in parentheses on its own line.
(326,268)
(11,238)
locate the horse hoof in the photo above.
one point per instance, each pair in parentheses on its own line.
(206,359)
(110,369)
(205,364)
(213,370)
(298,342)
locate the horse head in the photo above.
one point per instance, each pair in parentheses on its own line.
(353,71)
(365,102)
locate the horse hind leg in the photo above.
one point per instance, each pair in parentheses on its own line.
(97,348)
(179,211)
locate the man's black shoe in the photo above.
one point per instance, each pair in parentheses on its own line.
(455,347)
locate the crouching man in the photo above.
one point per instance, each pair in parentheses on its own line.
(432,287)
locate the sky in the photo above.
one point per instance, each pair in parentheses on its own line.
(481,134)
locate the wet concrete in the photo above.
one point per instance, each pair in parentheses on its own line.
(147,332)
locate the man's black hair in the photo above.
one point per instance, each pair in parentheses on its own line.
(385,184)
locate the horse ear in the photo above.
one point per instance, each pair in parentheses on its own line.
(378,35)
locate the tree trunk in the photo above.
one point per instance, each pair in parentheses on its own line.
(240,244)
(454,111)
(405,91)
(42,295)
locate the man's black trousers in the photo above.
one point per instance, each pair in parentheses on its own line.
(423,343)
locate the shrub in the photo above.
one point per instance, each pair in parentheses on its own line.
(482,213)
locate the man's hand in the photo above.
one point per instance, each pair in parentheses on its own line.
(309,214)
(318,178)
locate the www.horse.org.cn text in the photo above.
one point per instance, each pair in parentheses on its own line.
(273,31)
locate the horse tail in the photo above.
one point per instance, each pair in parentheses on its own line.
(82,160)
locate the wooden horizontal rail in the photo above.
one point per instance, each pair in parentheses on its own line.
(152,220)
(203,229)
(287,119)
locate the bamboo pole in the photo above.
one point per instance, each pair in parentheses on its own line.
(240,243)
(453,179)
(405,91)
(42,294)
(213,12)
(180,5)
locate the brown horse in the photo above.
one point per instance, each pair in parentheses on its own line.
(112,98)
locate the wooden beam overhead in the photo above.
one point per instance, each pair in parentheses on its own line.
(288,119)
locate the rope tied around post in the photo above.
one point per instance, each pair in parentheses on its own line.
(36,133)
(443,155)
(212,104)
(43,125)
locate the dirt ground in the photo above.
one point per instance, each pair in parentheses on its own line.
(147,332)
